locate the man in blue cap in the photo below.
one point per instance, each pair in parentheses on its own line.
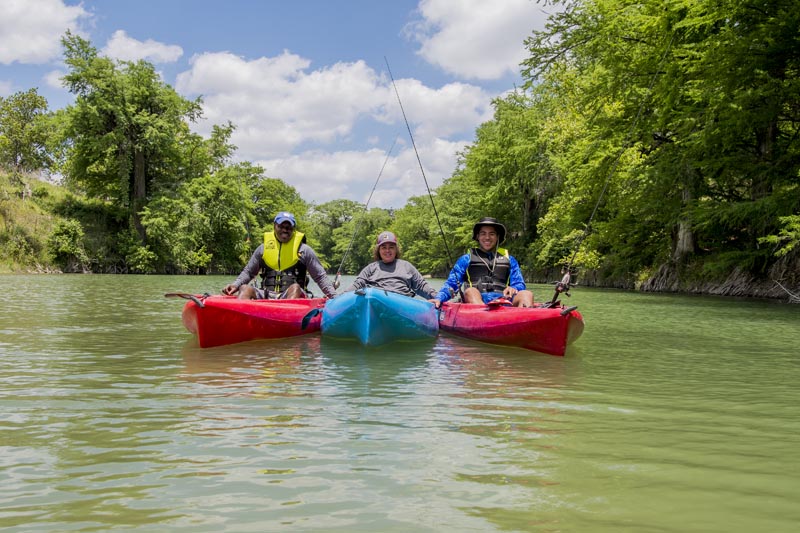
(284,261)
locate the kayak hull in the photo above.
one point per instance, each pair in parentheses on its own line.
(546,330)
(227,320)
(375,317)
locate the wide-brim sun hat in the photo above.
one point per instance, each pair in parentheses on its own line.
(386,236)
(285,216)
(489,221)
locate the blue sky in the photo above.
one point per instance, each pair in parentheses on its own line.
(305,82)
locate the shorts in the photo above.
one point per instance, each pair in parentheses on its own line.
(262,294)
(489,296)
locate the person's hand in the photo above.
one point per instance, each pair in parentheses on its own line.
(436,302)
(509,292)
(230,289)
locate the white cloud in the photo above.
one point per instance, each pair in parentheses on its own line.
(278,105)
(476,39)
(53,79)
(321,176)
(452,109)
(126,48)
(288,118)
(31,30)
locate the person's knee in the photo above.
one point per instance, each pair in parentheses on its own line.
(294,291)
(472,296)
(524,299)
(246,292)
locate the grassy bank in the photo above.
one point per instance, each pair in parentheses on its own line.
(27,220)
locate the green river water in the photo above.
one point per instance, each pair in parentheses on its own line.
(670,414)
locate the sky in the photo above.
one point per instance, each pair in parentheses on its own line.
(305,82)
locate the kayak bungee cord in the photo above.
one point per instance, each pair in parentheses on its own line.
(563,286)
(337,280)
(419,161)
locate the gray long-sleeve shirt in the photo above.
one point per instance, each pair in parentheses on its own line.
(307,256)
(398,276)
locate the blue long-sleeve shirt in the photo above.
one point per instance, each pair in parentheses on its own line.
(459,273)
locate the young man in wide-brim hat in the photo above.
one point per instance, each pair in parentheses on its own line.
(488,271)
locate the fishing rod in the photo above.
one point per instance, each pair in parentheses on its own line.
(337,280)
(422,170)
(564,285)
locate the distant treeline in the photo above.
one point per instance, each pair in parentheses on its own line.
(653,145)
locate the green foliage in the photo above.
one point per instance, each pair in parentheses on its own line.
(267,197)
(24,132)
(24,222)
(66,244)
(140,259)
(324,223)
(205,215)
(16,246)
(689,142)
(788,238)
(649,139)
(419,236)
(126,128)
(356,238)
(102,221)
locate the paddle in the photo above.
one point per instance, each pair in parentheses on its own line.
(187,296)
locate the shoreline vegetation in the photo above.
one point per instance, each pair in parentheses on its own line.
(654,149)
(36,239)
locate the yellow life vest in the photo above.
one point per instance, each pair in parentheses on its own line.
(283,262)
(282,255)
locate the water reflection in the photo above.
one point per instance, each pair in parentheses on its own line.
(446,421)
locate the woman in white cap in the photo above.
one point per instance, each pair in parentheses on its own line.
(285,261)
(488,272)
(391,273)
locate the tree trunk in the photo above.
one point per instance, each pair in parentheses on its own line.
(139,193)
(765,137)
(684,243)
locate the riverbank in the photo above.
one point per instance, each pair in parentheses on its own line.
(781,282)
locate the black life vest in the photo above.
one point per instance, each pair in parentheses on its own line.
(488,272)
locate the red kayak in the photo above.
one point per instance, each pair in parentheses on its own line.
(543,329)
(219,320)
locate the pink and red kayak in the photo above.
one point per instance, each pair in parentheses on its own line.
(220,320)
(542,329)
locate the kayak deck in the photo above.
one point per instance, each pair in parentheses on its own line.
(375,317)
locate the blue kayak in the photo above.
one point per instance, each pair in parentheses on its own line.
(375,316)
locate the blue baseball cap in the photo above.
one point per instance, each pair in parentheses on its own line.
(283,216)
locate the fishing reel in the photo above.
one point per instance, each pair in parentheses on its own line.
(563,286)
